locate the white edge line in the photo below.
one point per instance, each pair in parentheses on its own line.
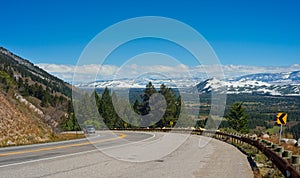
(72,154)
(49,158)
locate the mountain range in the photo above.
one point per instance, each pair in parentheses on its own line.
(249,86)
(282,78)
(279,84)
(141,83)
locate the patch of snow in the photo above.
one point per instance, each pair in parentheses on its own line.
(30,105)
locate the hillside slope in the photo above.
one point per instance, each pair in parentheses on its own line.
(19,125)
(33,102)
(24,69)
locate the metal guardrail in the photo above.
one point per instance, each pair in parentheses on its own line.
(286,168)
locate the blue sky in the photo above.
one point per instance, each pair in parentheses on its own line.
(256,33)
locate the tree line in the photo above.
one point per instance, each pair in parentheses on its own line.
(100,110)
(104,115)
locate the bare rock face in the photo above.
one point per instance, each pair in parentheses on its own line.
(292,141)
(298,143)
(254,136)
(265,136)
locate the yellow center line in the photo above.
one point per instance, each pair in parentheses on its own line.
(61,147)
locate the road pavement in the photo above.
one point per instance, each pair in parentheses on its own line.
(126,154)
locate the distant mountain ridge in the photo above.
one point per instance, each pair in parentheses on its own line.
(248,86)
(283,78)
(141,83)
(285,83)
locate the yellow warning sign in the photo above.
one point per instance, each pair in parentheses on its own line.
(281,118)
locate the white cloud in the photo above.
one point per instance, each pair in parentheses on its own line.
(91,72)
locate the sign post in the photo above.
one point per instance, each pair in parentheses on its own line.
(171,123)
(280,132)
(281,119)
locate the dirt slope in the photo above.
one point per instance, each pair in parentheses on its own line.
(19,125)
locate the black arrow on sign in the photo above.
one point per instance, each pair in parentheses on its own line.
(281,118)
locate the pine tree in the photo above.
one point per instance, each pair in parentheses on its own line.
(70,123)
(145,107)
(106,109)
(118,122)
(44,101)
(136,106)
(97,98)
(85,109)
(237,117)
(172,111)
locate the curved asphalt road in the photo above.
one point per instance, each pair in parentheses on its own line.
(80,158)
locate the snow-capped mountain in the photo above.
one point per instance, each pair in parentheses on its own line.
(285,84)
(243,86)
(141,83)
(283,78)
(280,84)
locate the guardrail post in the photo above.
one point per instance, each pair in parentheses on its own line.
(274,146)
(296,162)
(270,145)
(241,141)
(234,140)
(287,155)
(279,150)
(259,139)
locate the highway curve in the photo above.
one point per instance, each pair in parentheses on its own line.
(80,158)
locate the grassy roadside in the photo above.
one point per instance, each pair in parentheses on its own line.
(66,136)
(290,147)
(53,138)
